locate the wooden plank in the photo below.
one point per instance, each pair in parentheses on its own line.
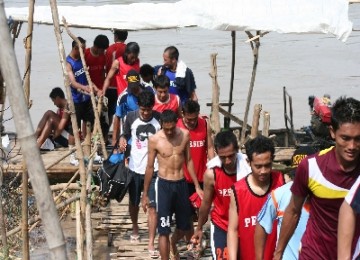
(232,117)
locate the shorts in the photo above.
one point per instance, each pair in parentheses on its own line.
(172,197)
(62,139)
(136,186)
(218,242)
(111,94)
(84,111)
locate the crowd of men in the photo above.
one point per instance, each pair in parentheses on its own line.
(173,156)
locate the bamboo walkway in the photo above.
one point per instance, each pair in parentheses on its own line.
(115,220)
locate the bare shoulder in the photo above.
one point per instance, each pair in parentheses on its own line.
(185,133)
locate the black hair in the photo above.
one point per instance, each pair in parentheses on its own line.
(146,70)
(224,139)
(121,34)
(191,107)
(57,92)
(168,116)
(345,110)
(74,43)
(146,99)
(101,41)
(131,47)
(162,81)
(259,145)
(173,52)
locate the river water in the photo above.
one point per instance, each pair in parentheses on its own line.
(307,64)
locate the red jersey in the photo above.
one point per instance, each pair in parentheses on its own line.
(114,51)
(96,66)
(124,68)
(321,179)
(172,103)
(248,206)
(221,200)
(198,148)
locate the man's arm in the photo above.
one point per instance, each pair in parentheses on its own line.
(346,227)
(259,241)
(149,171)
(288,226)
(209,141)
(113,70)
(73,81)
(232,235)
(61,126)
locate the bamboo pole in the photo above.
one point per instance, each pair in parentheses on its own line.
(233,38)
(79,238)
(215,116)
(255,45)
(25,213)
(5,250)
(93,101)
(54,235)
(255,123)
(89,242)
(266,126)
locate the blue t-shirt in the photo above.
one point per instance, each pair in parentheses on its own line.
(80,77)
(181,92)
(273,209)
(126,103)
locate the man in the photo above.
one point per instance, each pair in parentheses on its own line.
(230,165)
(80,89)
(163,99)
(147,77)
(182,82)
(349,211)
(325,179)
(248,196)
(127,102)
(115,50)
(171,147)
(273,210)
(121,66)
(139,126)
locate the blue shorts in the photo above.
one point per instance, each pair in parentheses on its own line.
(136,186)
(218,242)
(172,197)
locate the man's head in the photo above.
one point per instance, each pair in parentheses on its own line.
(300,153)
(133,80)
(168,122)
(101,42)
(147,73)
(190,113)
(57,96)
(171,57)
(75,47)
(260,152)
(345,130)
(131,53)
(226,147)
(146,101)
(162,85)
(120,35)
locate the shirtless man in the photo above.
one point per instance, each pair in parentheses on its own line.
(171,147)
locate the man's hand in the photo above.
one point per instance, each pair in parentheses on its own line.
(196,239)
(122,144)
(145,202)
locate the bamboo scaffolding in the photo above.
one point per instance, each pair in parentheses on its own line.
(5,247)
(255,122)
(266,125)
(233,59)
(55,237)
(215,116)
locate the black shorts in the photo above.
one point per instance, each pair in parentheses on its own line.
(84,111)
(62,141)
(218,242)
(172,197)
(111,94)
(136,186)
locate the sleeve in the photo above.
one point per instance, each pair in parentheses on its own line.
(267,214)
(300,185)
(353,197)
(190,82)
(127,126)
(121,109)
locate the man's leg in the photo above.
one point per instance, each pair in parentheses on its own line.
(152,217)
(134,213)
(135,188)
(164,246)
(52,121)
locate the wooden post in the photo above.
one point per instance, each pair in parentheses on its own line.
(255,123)
(89,242)
(39,180)
(79,238)
(5,247)
(215,116)
(24,214)
(266,126)
(255,44)
(233,58)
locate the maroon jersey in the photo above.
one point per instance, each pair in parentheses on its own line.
(248,206)
(221,201)
(124,68)
(96,66)
(198,148)
(112,53)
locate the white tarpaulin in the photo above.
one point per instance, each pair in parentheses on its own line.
(282,16)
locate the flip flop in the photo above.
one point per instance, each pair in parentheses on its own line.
(134,239)
(154,254)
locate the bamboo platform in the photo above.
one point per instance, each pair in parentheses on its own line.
(115,220)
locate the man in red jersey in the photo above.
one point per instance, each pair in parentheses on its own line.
(325,180)
(217,188)
(163,99)
(115,50)
(247,198)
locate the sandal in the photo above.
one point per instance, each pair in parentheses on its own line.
(134,239)
(154,254)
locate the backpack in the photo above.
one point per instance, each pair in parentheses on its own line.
(114,179)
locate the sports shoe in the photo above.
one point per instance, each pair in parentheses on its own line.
(73,160)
